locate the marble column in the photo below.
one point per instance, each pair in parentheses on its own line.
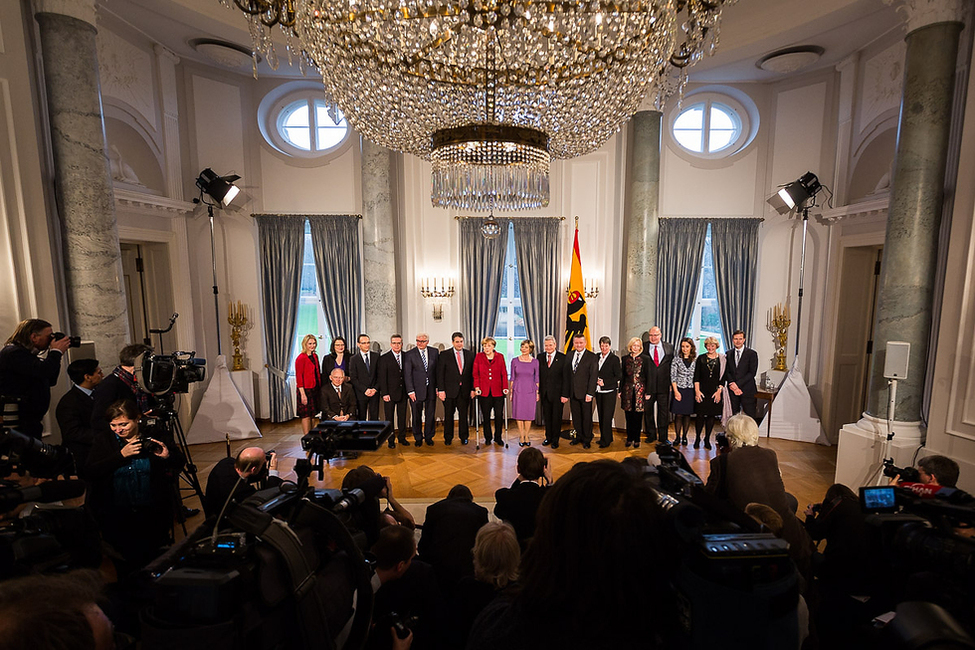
(641,225)
(378,244)
(914,217)
(83,182)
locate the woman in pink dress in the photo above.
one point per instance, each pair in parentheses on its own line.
(524,387)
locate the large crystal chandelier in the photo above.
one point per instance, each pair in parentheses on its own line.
(491,90)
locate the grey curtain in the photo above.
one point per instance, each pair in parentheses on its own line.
(282,242)
(734,247)
(540,275)
(680,250)
(481,266)
(338,266)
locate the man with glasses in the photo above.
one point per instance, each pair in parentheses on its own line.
(420,377)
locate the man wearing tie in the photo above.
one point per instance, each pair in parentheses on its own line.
(392,389)
(551,371)
(740,373)
(364,376)
(74,410)
(455,381)
(338,398)
(420,376)
(579,387)
(657,390)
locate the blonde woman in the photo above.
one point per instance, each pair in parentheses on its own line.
(708,392)
(308,378)
(524,390)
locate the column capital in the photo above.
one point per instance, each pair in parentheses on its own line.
(921,13)
(83,10)
(848,62)
(164,52)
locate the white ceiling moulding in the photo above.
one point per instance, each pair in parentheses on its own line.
(148,204)
(859,210)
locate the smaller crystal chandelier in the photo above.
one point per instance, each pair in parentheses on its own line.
(491,228)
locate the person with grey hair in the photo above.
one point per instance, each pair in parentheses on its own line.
(550,378)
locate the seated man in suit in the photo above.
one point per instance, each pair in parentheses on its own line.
(364,376)
(740,371)
(241,476)
(455,387)
(449,531)
(74,410)
(338,398)
(392,389)
(579,388)
(550,379)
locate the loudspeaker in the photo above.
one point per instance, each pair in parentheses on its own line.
(898,359)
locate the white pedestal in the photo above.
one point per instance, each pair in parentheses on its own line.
(244,381)
(861,447)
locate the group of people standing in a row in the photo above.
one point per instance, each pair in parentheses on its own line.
(651,381)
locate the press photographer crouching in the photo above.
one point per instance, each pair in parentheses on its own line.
(241,476)
(25,375)
(131,494)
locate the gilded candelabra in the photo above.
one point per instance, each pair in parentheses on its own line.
(237,317)
(778,323)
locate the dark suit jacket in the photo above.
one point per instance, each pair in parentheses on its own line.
(74,417)
(518,504)
(744,373)
(658,377)
(415,377)
(582,382)
(390,377)
(110,390)
(222,480)
(449,531)
(23,374)
(332,405)
(551,380)
(611,373)
(449,378)
(361,378)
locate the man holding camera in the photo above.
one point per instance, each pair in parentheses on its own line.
(236,478)
(120,385)
(934,472)
(24,375)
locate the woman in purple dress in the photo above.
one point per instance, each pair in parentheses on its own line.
(524,387)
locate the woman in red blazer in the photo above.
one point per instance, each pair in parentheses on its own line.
(308,378)
(491,386)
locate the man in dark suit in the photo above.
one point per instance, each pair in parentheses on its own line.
(74,410)
(519,503)
(455,384)
(657,390)
(364,377)
(551,371)
(121,384)
(607,387)
(392,389)
(579,388)
(420,377)
(241,476)
(449,530)
(740,371)
(338,398)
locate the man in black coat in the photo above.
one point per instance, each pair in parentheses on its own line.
(551,377)
(449,531)
(119,385)
(338,398)
(740,371)
(519,503)
(579,388)
(392,389)
(364,377)
(658,388)
(455,384)
(420,377)
(607,388)
(25,375)
(74,410)
(238,476)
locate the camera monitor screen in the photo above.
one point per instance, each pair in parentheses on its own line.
(878,499)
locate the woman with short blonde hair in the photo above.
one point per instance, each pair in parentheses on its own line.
(308,381)
(708,391)
(496,554)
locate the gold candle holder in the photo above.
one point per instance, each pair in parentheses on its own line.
(237,317)
(778,322)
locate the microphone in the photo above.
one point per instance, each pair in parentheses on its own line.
(47,492)
(356,496)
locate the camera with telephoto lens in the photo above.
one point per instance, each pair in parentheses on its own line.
(907,474)
(73,341)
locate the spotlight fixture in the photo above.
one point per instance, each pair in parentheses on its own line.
(220,188)
(792,196)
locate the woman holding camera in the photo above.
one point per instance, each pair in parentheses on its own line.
(132,489)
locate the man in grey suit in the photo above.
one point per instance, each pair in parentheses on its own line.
(579,388)
(420,377)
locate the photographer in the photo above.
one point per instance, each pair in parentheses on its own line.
(518,504)
(120,385)
(368,518)
(407,595)
(25,375)
(131,495)
(933,471)
(238,476)
(74,410)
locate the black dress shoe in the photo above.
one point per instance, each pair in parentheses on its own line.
(429,443)
(575,442)
(464,441)
(190,512)
(448,442)
(629,443)
(603,445)
(487,443)
(404,441)
(546,442)
(500,443)
(707,444)
(586,445)
(555,445)
(418,443)
(392,444)
(697,444)
(636,445)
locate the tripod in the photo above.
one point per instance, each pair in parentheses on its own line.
(168,417)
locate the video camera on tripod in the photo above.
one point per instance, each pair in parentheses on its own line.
(165,374)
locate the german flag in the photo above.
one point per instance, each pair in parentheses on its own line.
(576,316)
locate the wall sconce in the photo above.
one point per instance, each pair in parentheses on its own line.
(589,288)
(437,290)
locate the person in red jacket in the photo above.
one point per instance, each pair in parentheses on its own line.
(491,387)
(308,378)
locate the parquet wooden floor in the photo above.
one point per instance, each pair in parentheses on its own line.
(421,475)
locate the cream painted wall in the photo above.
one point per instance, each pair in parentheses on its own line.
(329,188)
(691,191)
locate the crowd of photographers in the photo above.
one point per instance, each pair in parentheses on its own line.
(599,558)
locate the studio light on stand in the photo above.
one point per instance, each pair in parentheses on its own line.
(221,191)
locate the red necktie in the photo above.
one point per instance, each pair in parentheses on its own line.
(460,362)
(656,356)
(550,361)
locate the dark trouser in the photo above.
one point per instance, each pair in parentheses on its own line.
(743,402)
(396,412)
(460,404)
(487,404)
(634,424)
(606,407)
(581,418)
(662,402)
(552,414)
(368,407)
(423,426)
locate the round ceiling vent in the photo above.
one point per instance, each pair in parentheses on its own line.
(790,59)
(224,53)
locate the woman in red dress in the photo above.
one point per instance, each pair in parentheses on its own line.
(308,378)
(491,386)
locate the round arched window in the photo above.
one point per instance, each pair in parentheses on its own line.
(301,124)
(707,127)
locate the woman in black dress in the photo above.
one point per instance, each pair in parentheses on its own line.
(708,392)
(336,358)
(682,383)
(632,390)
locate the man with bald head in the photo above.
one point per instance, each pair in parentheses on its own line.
(240,476)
